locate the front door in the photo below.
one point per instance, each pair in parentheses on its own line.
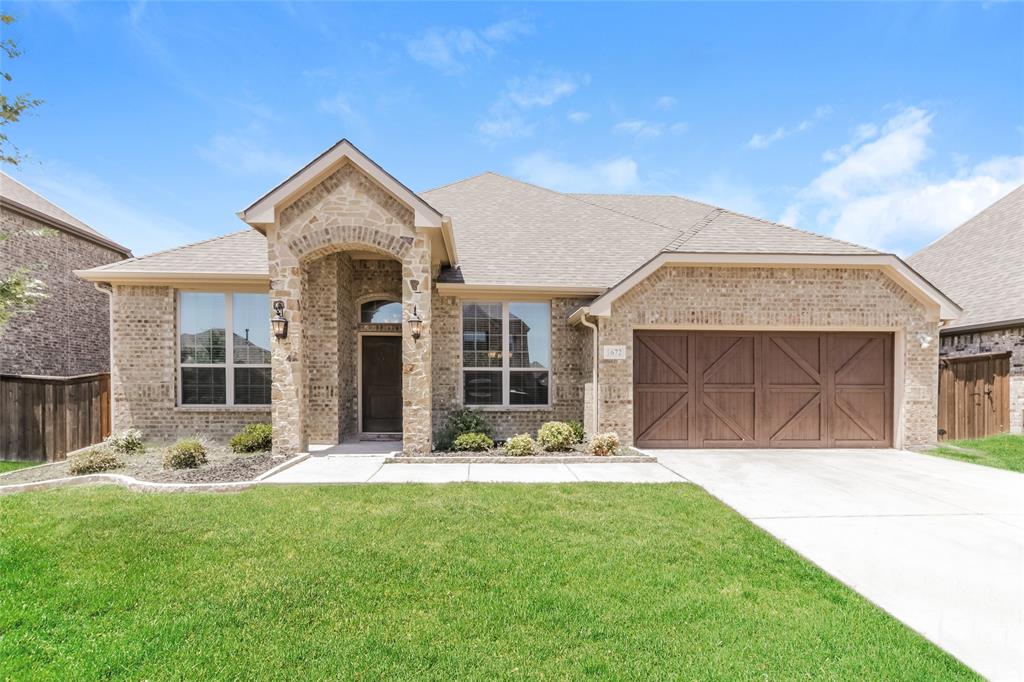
(382,384)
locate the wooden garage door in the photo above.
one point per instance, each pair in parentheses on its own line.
(762,389)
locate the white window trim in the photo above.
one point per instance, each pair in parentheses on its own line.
(506,355)
(229,355)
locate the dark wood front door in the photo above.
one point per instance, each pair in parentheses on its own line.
(382,384)
(762,389)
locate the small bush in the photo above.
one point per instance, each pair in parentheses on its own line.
(473,442)
(521,445)
(463,420)
(555,437)
(127,442)
(93,461)
(187,453)
(578,435)
(253,438)
(604,444)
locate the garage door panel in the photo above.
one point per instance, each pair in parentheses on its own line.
(763,389)
(665,420)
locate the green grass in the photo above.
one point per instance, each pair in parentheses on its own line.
(1002,452)
(426,582)
(6,466)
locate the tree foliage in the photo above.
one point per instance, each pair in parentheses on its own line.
(11,108)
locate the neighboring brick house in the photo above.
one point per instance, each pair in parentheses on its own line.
(67,332)
(672,322)
(981,265)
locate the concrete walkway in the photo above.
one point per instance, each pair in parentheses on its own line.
(938,544)
(365,463)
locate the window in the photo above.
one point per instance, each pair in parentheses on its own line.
(506,353)
(214,372)
(381,312)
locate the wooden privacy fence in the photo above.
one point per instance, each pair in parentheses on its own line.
(974,396)
(44,418)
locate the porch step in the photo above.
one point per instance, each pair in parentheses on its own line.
(379,437)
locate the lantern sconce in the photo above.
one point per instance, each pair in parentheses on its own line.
(415,324)
(278,323)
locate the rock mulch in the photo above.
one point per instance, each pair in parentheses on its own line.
(222,466)
(577,455)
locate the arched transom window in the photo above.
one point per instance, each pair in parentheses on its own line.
(381,312)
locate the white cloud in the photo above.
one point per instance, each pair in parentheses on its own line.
(109,211)
(448,49)
(612,175)
(665,103)
(505,118)
(649,129)
(877,193)
(246,151)
(765,140)
(578,116)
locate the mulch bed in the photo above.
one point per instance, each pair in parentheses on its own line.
(222,466)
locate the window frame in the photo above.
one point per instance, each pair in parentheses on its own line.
(506,359)
(228,365)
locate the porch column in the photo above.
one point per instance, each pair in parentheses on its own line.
(416,380)
(286,363)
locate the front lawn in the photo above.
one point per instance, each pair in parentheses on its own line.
(6,466)
(1004,451)
(426,582)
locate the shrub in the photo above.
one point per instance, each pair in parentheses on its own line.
(473,442)
(604,444)
(187,453)
(555,437)
(253,438)
(521,445)
(93,461)
(127,442)
(578,435)
(463,420)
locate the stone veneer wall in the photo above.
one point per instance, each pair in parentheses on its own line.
(792,298)
(347,211)
(143,372)
(570,369)
(66,333)
(1010,339)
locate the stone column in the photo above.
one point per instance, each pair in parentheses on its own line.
(287,368)
(416,405)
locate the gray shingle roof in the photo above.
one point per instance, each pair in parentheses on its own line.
(980,264)
(240,253)
(513,233)
(19,196)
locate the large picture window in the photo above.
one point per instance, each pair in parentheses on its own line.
(213,371)
(506,354)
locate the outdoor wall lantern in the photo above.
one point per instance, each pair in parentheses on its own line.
(277,322)
(415,324)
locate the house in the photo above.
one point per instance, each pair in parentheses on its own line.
(668,321)
(981,264)
(67,332)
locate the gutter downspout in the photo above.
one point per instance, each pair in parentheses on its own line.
(597,403)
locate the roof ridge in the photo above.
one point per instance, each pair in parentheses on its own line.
(967,222)
(669,195)
(689,233)
(457,182)
(616,211)
(172,249)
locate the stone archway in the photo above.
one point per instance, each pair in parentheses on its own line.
(346,212)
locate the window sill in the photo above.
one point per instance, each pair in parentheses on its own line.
(510,408)
(222,408)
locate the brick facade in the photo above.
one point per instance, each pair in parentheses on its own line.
(1010,339)
(775,298)
(570,369)
(144,372)
(66,333)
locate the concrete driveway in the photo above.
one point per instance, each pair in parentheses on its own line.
(938,544)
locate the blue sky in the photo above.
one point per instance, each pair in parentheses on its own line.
(885,124)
